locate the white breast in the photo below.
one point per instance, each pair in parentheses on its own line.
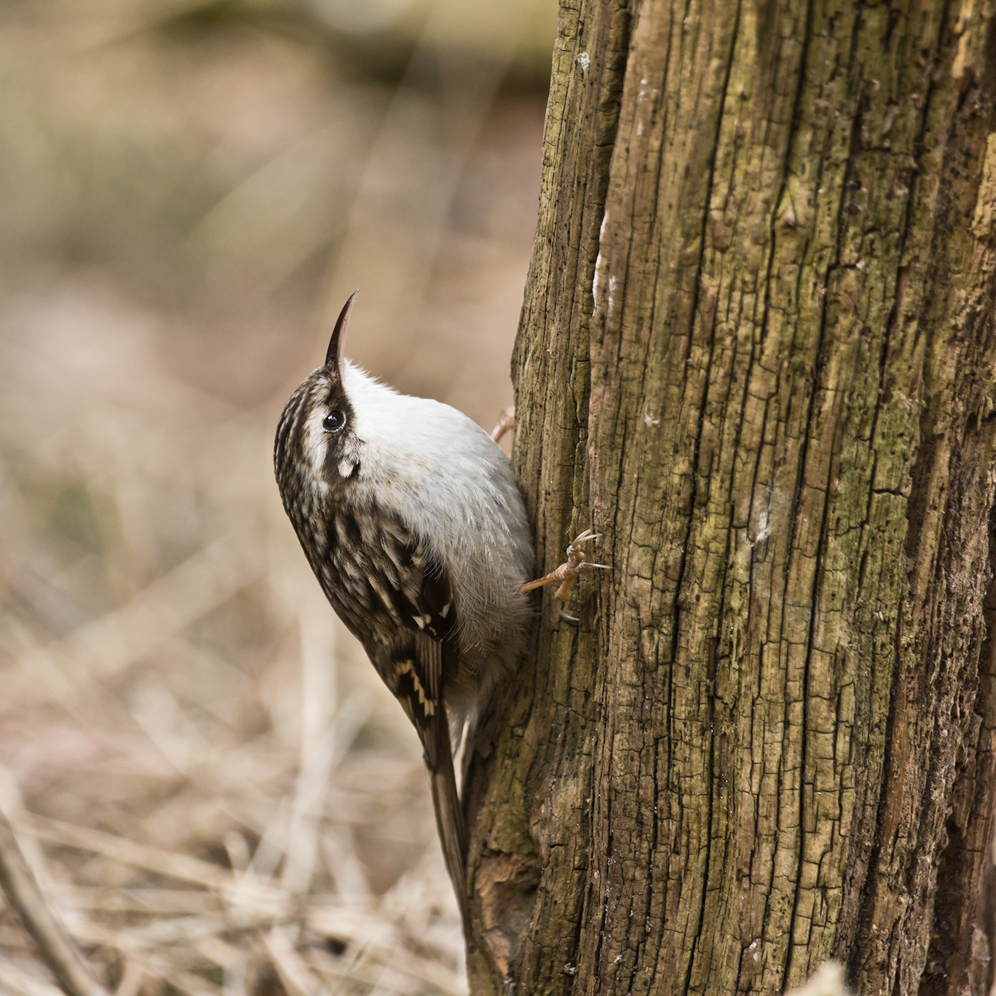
(453,486)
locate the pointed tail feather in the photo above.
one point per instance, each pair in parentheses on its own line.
(452,834)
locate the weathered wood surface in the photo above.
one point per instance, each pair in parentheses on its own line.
(757,354)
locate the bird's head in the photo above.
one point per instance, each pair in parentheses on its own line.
(316,446)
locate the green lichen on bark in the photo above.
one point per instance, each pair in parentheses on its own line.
(757,354)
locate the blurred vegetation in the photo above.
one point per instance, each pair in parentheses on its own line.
(209,780)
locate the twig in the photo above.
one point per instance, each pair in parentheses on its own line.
(56,946)
(261,900)
(301,844)
(17,981)
(291,970)
(162,862)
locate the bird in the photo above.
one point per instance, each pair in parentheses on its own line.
(414,525)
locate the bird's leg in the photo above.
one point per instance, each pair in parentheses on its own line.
(568,571)
(505,422)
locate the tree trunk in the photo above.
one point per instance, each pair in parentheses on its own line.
(757,355)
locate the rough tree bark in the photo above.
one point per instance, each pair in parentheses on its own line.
(757,354)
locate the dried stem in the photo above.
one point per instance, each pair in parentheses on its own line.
(56,946)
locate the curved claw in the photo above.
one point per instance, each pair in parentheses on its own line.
(567,617)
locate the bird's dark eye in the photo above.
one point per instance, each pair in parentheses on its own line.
(334,421)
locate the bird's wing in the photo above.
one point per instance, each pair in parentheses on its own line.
(415,662)
(419,651)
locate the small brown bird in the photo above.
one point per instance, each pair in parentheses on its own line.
(412,520)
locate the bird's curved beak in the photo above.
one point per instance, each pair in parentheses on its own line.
(338,340)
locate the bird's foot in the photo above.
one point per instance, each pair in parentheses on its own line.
(569,570)
(505,422)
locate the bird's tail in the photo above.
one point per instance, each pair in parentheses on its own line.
(452,833)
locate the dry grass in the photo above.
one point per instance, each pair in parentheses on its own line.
(211,785)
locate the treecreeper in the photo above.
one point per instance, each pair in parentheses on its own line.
(413,523)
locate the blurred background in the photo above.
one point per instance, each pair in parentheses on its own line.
(205,773)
